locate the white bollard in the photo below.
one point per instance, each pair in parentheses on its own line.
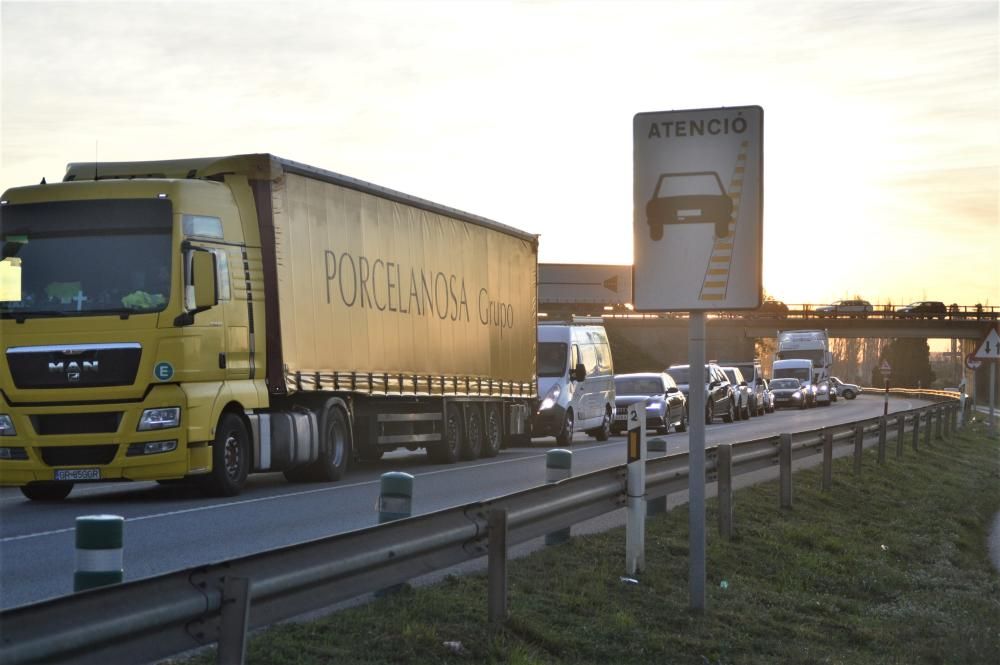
(99,559)
(635,521)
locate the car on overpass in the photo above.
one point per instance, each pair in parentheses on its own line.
(852,308)
(922,309)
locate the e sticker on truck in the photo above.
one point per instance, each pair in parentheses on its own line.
(163,371)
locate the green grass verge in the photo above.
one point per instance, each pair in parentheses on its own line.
(887,567)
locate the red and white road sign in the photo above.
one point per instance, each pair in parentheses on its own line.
(989,346)
(885,368)
(971,362)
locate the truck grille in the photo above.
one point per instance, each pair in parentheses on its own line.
(79,455)
(74,365)
(76,423)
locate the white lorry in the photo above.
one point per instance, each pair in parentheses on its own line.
(812,345)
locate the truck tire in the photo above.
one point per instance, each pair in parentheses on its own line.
(448,450)
(47,491)
(472,442)
(230,458)
(334,446)
(493,431)
(565,437)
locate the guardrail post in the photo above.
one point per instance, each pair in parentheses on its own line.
(900,433)
(881,439)
(949,417)
(724,468)
(859,446)
(395,499)
(930,426)
(234,621)
(827,459)
(939,421)
(497,567)
(99,540)
(659,504)
(916,430)
(558,466)
(635,491)
(785,469)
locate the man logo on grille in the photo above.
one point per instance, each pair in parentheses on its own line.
(74,370)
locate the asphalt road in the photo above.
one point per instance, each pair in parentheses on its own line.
(169,528)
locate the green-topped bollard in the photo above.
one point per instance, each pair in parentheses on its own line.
(558,466)
(99,560)
(395,499)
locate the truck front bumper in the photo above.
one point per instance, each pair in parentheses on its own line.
(94,443)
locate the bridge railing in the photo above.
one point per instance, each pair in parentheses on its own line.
(154,618)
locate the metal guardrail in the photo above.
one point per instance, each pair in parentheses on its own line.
(158,617)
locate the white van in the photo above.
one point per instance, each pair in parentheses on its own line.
(801,369)
(576,381)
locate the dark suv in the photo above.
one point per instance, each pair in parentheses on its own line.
(923,309)
(719,397)
(689,198)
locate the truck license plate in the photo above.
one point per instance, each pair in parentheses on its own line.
(78,474)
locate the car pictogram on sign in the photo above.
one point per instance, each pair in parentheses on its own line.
(689,198)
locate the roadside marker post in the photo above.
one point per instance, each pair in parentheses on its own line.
(395,500)
(558,466)
(99,553)
(635,491)
(988,350)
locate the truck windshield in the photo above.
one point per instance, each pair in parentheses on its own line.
(817,356)
(551,359)
(800,373)
(69,258)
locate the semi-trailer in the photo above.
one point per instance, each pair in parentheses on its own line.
(208,318)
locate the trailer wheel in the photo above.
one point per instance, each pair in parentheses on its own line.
(47,491)
(448,450)
(230,458)
(472,442)
(493,431)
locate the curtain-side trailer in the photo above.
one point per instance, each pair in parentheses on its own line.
(209,318)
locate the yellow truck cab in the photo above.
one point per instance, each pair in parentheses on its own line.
(183,319)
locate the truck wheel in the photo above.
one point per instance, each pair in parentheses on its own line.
(472,442)
(565,437)
(334,446)
(603,433)
(47,491)
(230,458)
(447,451)
(493,431)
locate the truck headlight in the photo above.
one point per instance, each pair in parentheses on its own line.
(6,425)
(550,398)
(823,389)
(159,418)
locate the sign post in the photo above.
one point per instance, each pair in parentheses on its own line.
(697,234)
(989,349)
(886,370)
(973,364)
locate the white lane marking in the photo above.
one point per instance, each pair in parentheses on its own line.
(274,497)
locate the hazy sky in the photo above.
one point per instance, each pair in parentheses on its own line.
(881,119)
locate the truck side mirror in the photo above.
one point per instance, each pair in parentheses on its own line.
(203,280)
(201,287)
(579,372)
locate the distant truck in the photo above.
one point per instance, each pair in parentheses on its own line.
(812,345)
(209,318)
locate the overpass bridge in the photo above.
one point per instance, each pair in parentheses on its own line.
(605,290)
